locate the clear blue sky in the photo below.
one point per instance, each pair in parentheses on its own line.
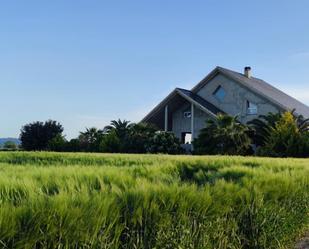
(86,62)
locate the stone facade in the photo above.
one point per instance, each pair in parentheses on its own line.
(235,100)
(181,124)
(234,103)
(222,90)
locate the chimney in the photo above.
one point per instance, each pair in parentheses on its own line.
(247,72)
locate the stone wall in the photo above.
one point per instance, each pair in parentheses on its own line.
(235,100)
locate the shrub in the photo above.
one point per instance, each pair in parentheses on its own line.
(90,139)
(10,145)
(139,137)
(110,143)
(262,126)
(287,138)
(57,143)
(164,142)
(224,135)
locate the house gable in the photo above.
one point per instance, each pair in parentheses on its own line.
(260,88)
(236,98)
(221,91)
(181,123)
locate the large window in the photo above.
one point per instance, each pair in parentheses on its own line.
(252,108)
(219,93)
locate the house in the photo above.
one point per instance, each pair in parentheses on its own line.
(184,112)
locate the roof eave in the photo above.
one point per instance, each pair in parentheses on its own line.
(196,103)
(218,70)
(165,100)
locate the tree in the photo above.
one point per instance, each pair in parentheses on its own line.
(121,129)
(73,145)
(139,137)
(90,139)
(288,137)
(58,143)
(36,135)
(9,145)
(223,135)
(262,126)
(110,143)
(164,142)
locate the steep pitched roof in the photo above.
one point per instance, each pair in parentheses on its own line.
(201,101)
(191,97)
(260,87)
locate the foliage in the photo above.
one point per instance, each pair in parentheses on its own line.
(289,137)
(262,127)
(58,143)
(36,135)
(10,145)
(90,139)
(224,135)
(124,136)
(120,129)
(139,137)
(111,143)
(78,200)
(164,142)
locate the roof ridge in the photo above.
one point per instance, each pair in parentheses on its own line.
(183,89)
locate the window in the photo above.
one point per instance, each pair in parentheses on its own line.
(219,93)
(187,114)
(251,108)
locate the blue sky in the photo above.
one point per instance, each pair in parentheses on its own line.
(84,63)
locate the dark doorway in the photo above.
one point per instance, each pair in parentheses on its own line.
(186,137)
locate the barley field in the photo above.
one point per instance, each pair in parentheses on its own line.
(76,200)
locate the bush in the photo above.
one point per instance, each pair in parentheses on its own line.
(139,137)
(164,142)
(89,141)
(286,139)
(110,143)
(224,135)
(10,145)
(57,143)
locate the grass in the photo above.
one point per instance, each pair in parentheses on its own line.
(67,200)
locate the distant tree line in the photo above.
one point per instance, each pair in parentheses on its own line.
(276,135)
(9,146)
(121,136)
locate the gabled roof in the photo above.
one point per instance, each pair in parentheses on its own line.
(256,85)
(200,100)
(260,87)
(191,97)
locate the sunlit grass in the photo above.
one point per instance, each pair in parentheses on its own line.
(76,200)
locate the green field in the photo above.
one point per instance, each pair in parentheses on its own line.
(57,200)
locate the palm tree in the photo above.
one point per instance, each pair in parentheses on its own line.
(263,126)
(223,135)
(91,138)
(121,127)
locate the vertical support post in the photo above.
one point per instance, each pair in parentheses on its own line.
(166,118)
(192,122)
